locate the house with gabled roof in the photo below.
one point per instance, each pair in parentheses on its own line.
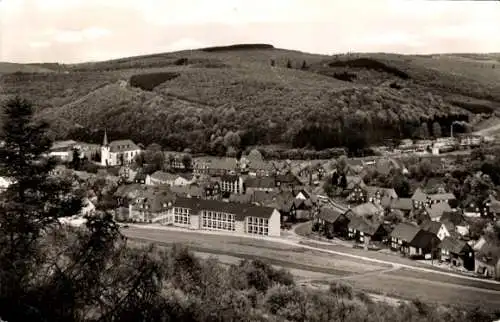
(419,198)
(457,252)
(334,220)
(215,166)
(403,205)
(160,178)
(119,152)
(231,183)
(364,231)
(487,258)
(437,228)
(201,214)
(252,184)
(441,198)
(424,245)
(287,182)
(455,221)
(402,235)
(150,204)
(368,210)
(184,179)
(189,191)
(436,210)
(375,194)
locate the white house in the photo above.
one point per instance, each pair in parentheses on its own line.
(202,214)
(160,178)
(183,180)
(63,150)
(118,152)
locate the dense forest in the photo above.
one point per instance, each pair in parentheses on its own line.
(50,272)
(265,96)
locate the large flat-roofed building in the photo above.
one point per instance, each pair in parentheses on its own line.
(201,214)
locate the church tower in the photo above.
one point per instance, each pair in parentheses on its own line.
(105,155)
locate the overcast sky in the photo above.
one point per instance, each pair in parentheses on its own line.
(84,30)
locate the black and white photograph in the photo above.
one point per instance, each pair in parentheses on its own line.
(249,160)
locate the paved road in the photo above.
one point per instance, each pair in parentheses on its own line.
(369,274)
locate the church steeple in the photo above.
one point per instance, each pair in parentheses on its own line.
(105,141)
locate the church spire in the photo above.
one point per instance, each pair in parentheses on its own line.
(105,142)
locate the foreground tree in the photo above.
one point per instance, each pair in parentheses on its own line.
(30,206)
(42,278)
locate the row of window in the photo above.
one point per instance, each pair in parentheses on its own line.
(219,224)
(259,226)
(217,215)
(183,219)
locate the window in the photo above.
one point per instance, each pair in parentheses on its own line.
(259,226)
(218,221)
(181,216)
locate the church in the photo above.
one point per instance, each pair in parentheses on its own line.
(120,152)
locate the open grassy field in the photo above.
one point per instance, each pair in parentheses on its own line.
(363,275)
(266,95)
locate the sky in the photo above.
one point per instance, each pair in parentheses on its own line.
(72,31)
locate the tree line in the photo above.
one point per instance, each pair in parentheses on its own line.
(50,272)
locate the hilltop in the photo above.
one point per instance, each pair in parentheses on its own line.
(266,95)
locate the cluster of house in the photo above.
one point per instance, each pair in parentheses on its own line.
(440,145)
(431,228)
(249,195)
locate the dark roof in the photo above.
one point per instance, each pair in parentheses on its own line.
(155,201)
(453,217)
(331,214)
(405,231)
(123,146)
(424,239)
(229,178)
(186,175)
(454,245)
(431,226)
(240,210)
(260,182)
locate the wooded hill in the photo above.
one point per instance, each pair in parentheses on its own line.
(259,95)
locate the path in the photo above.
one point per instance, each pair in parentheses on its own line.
(297,243)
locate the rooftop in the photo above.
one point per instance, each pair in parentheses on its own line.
(240,210)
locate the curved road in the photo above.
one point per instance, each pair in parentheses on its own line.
(363,272)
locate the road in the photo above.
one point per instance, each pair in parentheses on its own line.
(319,265)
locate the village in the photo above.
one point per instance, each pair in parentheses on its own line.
(370,203)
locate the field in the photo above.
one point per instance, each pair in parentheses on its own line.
(266,95)
(317,267)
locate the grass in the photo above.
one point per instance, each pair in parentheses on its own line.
(238,89)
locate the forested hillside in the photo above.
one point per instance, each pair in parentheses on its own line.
(262,95)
